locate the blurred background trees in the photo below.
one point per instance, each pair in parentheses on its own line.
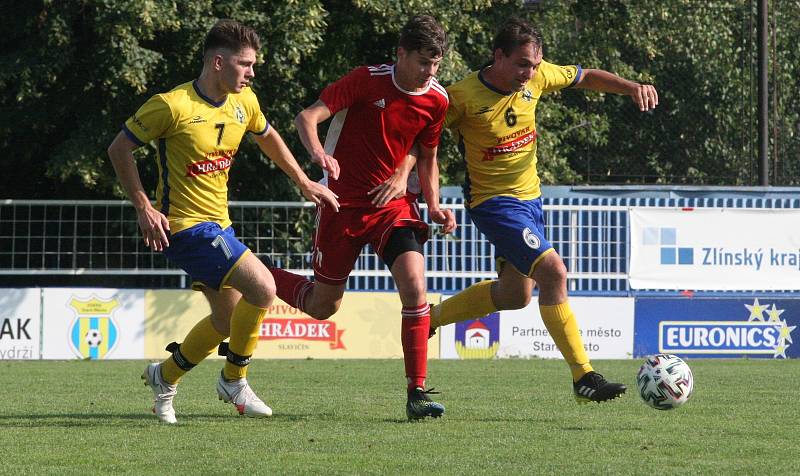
(74,70)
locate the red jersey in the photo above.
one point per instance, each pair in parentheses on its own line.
(375,123)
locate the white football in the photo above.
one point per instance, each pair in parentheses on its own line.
(665,381)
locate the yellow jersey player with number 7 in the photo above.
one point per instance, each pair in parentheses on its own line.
(492,113)
(196,129)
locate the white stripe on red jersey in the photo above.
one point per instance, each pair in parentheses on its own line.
(374,126)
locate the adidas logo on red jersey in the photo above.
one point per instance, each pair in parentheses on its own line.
(380,103)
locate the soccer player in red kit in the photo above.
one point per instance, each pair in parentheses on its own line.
(378,114)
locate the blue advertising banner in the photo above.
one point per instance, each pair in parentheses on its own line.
(717,327)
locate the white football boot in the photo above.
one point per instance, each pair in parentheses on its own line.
(239,393)
(163,393)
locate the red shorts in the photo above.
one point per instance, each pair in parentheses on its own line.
(340,236)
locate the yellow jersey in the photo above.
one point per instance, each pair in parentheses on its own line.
(196,140)
(496,132)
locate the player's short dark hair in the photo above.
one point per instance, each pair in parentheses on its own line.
(424,34)
(231,35)
(515,32)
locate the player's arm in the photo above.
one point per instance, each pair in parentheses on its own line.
(154,224)
(306,123)
(428,170)
(397,184)
(272,145)
(644,95)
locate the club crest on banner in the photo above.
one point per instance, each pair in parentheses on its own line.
(93,333)
(479,338)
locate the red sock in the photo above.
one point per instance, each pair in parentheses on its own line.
(416,323)
(291,288)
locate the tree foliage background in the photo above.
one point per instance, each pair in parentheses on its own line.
(74,70)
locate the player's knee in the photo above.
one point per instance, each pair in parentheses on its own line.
(261,294)
(518,300)
(415,292)
(323,311)
(222,321)
(559,273)
(269,291)
(510,297)
(552,272)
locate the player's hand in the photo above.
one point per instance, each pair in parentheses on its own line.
(444,218)
(154,226)
(394,187)
(645,96)
(327,162)
(319,194)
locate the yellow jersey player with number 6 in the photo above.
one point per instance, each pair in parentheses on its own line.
(496,132)
(196,130)
(493,116)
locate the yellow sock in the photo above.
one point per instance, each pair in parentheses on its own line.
(561,324)
(471,303)
(245,326)
(199,343)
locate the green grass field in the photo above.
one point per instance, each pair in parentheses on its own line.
(347,417)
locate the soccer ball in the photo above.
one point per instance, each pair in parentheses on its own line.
(93,338)
(665,381)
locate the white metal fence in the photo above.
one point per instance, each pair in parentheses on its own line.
(50,238)
(44,237)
